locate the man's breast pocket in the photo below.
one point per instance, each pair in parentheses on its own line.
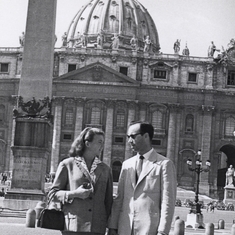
(152,184)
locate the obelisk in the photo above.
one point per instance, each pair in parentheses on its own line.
(32,113)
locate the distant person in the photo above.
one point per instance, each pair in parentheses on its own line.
(146,191)
(84,185)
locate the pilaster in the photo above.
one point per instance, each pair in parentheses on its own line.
(58,101)
(142,112)
(207,112)
(108,132)
(171,141)
(130,118)
(79,117)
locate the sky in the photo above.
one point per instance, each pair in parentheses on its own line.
(195,22)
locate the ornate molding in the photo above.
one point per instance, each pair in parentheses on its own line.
(208,108)
(33,109)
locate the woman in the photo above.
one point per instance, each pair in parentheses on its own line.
(84,186)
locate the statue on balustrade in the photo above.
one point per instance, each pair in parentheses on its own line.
(22,39)
(65,40)
(147,44)
(230,176)
(115,41)
(176,46)
(134,43)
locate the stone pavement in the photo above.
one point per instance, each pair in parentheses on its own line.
(16,226)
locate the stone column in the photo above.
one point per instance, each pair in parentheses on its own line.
(171,141)
(37,67)
(79,117)
(107,154)
(130,118)
(177,137)
(207,112)
(32,114)
(55,151)
(142,112)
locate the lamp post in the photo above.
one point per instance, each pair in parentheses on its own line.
(196,208)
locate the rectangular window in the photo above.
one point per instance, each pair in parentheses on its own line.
(67,137)
(4,67)
(160,74)
(156,142)
(69,117)
(118,140)
(71,67)
(192,77)
(123,70)
(231,78)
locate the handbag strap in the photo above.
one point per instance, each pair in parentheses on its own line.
(50,200)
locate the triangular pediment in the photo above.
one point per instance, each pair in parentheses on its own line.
(96,72)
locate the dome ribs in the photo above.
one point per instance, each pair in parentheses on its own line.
(125,18)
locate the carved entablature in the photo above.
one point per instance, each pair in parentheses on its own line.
(110,103)
(58,100)
(33,109)
(208,108)
(80,101)
(173,107)
(132,104)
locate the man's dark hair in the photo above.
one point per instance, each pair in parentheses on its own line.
(145,127)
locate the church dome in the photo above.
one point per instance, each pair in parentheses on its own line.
(107,18)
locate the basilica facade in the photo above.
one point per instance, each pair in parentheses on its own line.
(110,71)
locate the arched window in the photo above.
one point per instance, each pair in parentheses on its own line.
(189,121)
(229,126)
(120,118)
(95,116)
(2,113)
(69,116)
(157,118)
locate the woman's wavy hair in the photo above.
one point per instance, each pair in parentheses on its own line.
(78,146)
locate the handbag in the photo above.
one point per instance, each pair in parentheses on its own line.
(51,219)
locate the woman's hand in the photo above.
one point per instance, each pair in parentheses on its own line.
(81,192)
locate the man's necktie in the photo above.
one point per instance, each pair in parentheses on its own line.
(139,167)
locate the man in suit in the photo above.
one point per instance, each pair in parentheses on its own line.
(145,203)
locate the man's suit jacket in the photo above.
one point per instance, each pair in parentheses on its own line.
(147,205)
(84,215)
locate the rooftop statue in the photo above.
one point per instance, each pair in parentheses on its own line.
(64,40)
(115,41)
(99,41)
(186,51)
(176,46)
(134,43)
(147,44)
(212,49)
(22,39)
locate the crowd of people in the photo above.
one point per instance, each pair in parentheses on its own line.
(3,178)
